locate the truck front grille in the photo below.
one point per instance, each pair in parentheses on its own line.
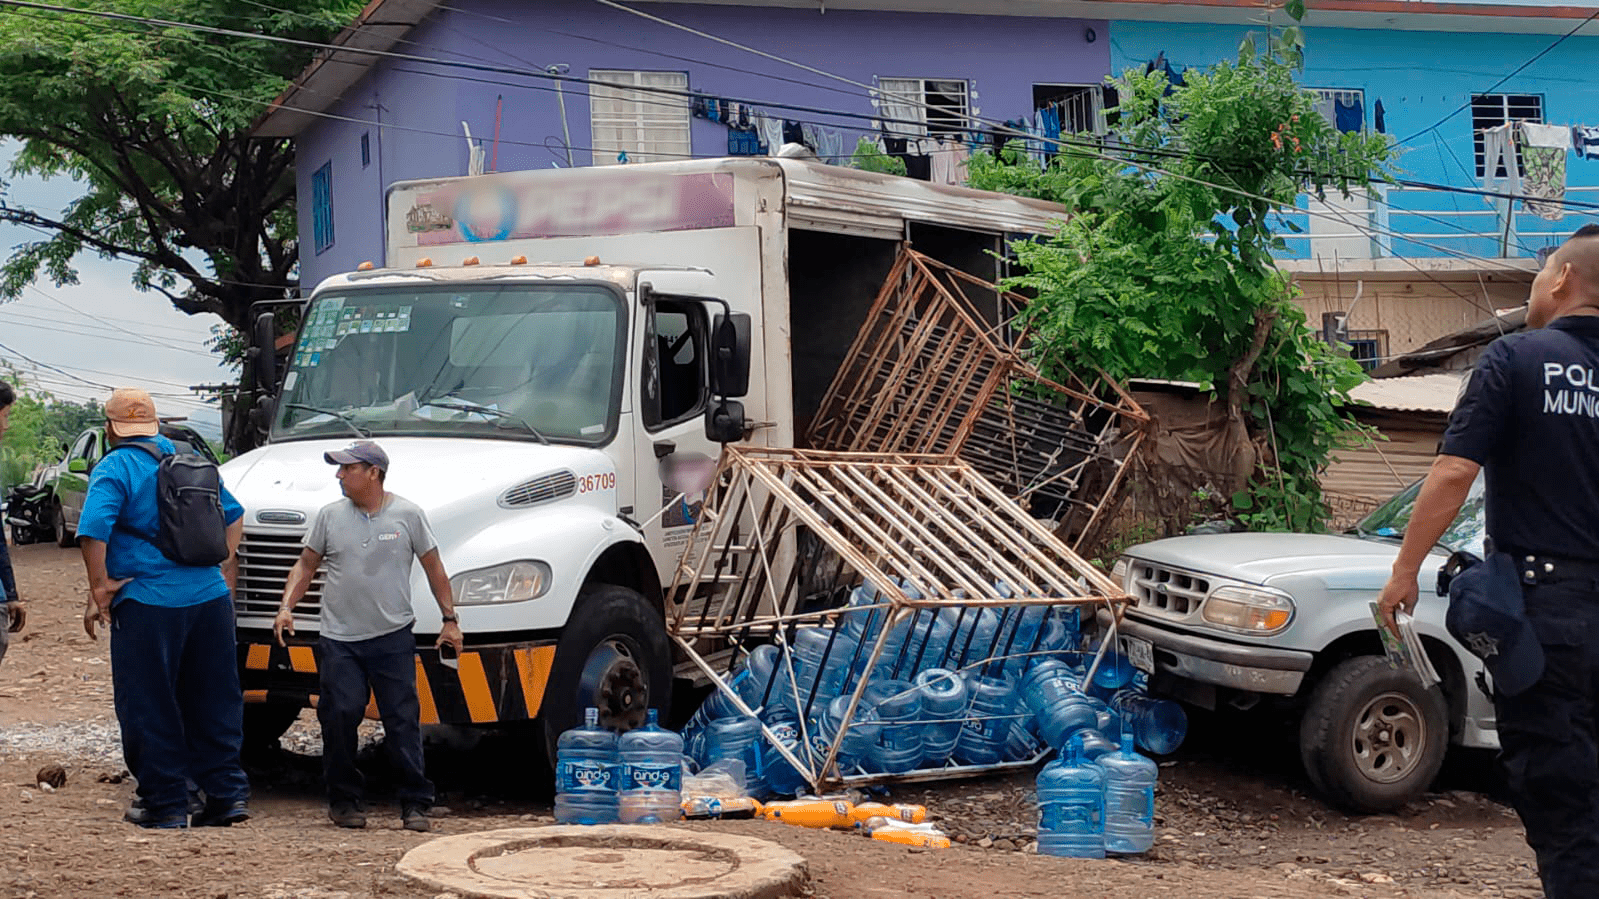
(1166,592)
(264,563)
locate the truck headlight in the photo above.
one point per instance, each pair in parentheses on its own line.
(511,582)
(1118,571)
(1248,610)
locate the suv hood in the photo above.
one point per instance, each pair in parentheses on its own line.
(433,473)
(1339,561)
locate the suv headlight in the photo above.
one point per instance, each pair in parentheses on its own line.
(1248,610)
(512,582)
(1119,571)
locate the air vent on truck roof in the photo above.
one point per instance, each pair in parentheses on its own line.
(542,489)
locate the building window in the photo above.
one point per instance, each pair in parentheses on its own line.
(1344,109)
(1493,110)
(1081,107)
(322,207)
(641,125)
(925,107)
(1368,347)
(366,149)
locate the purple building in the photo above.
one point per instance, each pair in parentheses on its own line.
(646,89)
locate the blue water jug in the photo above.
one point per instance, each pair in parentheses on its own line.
(778,773)
(862,735)
(988,718)
(1020,633)
(737,737)
(898,705)
(1129,799)
(587,773)
(973,638)
(823,657)
(1158,725)
(944,700)
(769,686)
(1071,806)
(1095,744)
(652,773)
(1114,673)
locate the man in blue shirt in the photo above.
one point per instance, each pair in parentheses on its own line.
(174,673)
(11,615)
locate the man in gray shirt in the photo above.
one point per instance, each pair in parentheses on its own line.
(367,542)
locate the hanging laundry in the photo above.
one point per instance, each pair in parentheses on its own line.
(942,161)
(1349,116)
(808,136)
(792,132)
(1500,173)
(1377,117)
(771,132)
(1050,116)
(1585,139)
(832,146)
(1544,154)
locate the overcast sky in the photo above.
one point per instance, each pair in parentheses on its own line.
(78,341)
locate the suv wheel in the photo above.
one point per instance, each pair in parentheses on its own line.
(1372,738)
(66,538)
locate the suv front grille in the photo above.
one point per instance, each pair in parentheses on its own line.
(1166,592)
(264,563)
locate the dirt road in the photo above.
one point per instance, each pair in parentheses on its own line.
(1234,819)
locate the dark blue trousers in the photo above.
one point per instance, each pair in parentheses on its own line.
(1549,741)
(351,672)
(175,681)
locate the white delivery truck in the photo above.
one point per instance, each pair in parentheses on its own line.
(552,360)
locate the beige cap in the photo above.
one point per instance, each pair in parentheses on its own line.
(132,413)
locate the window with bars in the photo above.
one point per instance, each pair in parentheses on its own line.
(1493,110)
(1081,107)
(925,107)
(322,207)
(1343,108)
(650,125)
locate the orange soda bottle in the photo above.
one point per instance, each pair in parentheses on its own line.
(811,812)
(923,835)
(908,814)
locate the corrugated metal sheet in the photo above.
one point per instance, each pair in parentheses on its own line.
(1415,393)
(835,198)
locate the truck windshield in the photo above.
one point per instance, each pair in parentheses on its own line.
(1389,520)
(515,361)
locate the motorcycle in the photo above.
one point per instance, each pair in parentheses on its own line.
(27,510)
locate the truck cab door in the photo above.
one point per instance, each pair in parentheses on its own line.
(674,459)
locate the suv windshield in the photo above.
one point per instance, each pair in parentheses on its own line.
(517,361)
(1389,520)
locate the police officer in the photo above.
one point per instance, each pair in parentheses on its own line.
(1529,415)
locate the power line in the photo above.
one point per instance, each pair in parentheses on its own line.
(1518,70)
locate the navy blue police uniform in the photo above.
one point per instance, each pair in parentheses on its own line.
(1529,414)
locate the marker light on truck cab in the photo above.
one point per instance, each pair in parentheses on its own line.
(1119,571)
(1248,610)
(511,582)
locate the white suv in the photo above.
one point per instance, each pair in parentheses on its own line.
(1285,621)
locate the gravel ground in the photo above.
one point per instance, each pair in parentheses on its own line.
(1234,815)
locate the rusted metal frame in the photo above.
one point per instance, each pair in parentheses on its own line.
(881,541)
(954,568)
(738,702)
(749,601)
(955,275)
(967,373)
(727,481)
(857,348)
(866,567)
(1110,490)
(848,718)
(943,376)
(960,495)
(1031,525)
(725,526)
(972,541)
(911,383)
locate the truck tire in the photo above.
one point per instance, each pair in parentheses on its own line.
(614,655)
(66,538)
(1372,739)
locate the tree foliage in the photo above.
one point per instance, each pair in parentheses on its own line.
(1165,269)
(39,425)
(153,121)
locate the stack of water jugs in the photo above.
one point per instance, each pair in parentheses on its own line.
(601,778)
(956,686)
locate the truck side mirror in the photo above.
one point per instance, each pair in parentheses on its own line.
(730,355)
(724,422)
(263,352)
(261,413)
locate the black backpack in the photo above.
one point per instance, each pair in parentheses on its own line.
(188,490)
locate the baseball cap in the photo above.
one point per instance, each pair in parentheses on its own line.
(1488,616)
(131,413)
(359,451)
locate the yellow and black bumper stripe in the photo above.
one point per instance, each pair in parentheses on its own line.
(492,684)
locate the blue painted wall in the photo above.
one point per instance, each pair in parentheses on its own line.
(1421,77)
(421,105)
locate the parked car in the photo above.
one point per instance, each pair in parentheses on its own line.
(69,478)
(1284,622)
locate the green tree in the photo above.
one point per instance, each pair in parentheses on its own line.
(153,122)
(1165,269)
(39,425)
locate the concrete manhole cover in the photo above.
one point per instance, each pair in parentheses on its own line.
(612,861)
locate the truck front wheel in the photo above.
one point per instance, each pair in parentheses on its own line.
(1372,738)
(264,723)
(615,656)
